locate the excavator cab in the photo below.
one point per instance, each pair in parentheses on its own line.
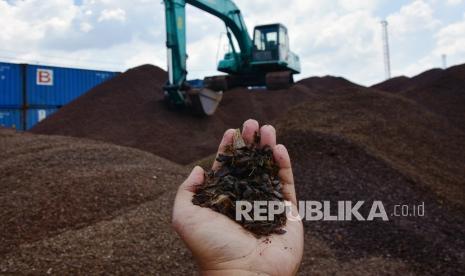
(266,42)
(271,49)
(271,54)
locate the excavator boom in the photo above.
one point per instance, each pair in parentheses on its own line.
(254,63)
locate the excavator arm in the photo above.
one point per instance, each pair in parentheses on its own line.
(266,60)
(175,16)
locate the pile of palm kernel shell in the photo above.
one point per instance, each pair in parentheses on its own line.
(246,173)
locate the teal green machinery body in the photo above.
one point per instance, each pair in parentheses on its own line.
(244,62)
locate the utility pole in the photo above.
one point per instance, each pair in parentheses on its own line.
(444,61)
(387,58)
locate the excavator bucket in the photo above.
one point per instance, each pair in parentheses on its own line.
(204,101)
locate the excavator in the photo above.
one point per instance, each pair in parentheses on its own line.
(265,60)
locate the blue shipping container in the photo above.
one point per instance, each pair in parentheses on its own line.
(196,83)
(11,85)
(14,118)
(35,115)
(11,118)
(57,86)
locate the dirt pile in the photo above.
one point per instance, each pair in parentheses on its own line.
(139,241)
(361,144)
(129,111)
(332,168)
(394,85)
(125,239)
(329,85)
(399,84)
(376,146)
(440,91)
(76,205)
(412,140)
(347,142)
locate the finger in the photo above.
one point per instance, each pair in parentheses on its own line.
(283,160)
(267,136)
(248,130)
(183,201)
(226,140)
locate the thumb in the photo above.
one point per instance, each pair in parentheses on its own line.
(183,206)
(195,178)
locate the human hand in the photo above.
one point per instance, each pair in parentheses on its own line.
(223,247)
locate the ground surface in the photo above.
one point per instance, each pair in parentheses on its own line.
(440,91)
(77,206)
(130,111)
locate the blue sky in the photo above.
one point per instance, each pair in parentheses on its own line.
(340,37)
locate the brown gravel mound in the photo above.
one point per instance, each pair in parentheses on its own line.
(53,184)
(332,168)
(368,145)
(399,84)
(347,142)
(138,238)
(394,85)
(412,140)
(138,242)
(440,91)
(103,238)
(135,239)
(329,85)
(444,96)
(128,111)
(359,144)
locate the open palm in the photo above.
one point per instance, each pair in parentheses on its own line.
(222,246)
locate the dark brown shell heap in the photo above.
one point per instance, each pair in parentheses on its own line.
(246,173)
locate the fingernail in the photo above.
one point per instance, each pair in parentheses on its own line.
(228,132)
(248,121)
(269,127)
(281,147)
(195,169)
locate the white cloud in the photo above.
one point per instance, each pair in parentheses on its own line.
(357,5)
(27,22)
(115,14)
(455,2)
(331,37)
(415,16)
(450,40)
(86,27)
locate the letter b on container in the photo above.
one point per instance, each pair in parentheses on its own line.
(44,77)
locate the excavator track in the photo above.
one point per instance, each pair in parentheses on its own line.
(279,80)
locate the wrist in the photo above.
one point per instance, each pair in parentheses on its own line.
(231,272)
